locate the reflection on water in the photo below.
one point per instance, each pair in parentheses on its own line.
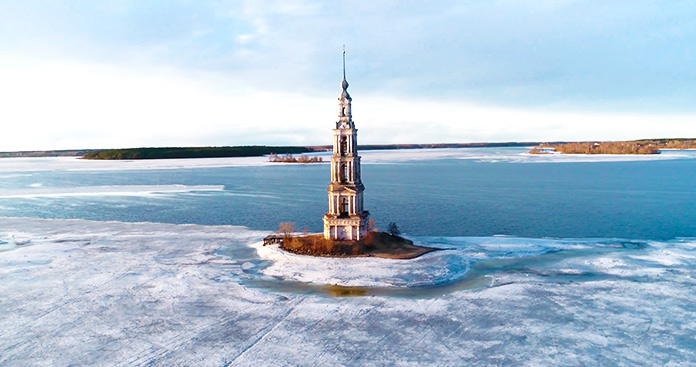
(341,291)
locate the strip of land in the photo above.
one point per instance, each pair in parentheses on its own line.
(193,152)
(433,146)
(47,153)
(259,150)
(643,146)
(231,151)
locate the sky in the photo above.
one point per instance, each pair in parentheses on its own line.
(133,73)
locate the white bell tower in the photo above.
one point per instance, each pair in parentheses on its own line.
(346,219)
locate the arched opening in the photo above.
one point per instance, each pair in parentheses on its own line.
(344,145)
(342,172)
(343,207)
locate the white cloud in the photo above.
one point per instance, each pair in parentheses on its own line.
(64,105)
(245,38)
(508,53)
(75,105)
(423,121)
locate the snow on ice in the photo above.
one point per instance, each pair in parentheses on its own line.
(76,292)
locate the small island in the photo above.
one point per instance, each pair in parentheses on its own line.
(373,244)
(645,146)
(289,158)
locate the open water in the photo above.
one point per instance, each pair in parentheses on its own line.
(460,192)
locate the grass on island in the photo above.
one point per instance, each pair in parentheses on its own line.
(645,146)
(374,244)
(199,152)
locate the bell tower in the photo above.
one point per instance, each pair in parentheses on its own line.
(346,218)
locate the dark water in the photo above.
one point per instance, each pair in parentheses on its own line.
(440,197)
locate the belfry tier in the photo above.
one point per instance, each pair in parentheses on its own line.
(345,163)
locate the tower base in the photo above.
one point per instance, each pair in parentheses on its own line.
(345,228)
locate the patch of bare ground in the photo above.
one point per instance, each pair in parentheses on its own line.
(374,244)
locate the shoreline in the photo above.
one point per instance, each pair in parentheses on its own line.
(114,153)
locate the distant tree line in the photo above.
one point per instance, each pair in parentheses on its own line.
(646,146)
(259,150)
(194,152)
(430,146)
(47,153)
(673,143)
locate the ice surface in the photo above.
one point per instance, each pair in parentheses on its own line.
(133,294)
(30,164)
(505,154)
(116,190)
(578,158)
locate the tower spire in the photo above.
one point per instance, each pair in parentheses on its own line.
(344,83)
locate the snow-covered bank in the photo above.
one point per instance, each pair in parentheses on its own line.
(77,292)
(430,269)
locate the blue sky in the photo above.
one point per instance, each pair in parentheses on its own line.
(87,74)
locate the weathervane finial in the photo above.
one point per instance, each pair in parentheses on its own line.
(344,83)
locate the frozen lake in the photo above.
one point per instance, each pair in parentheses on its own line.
(548,260)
